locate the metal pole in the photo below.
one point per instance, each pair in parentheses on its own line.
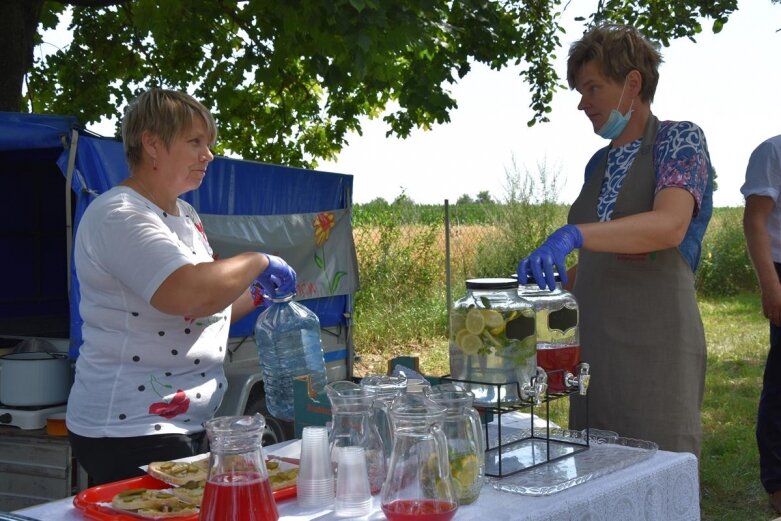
(448,287)
(68,218)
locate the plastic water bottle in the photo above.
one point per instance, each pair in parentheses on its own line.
(288,338)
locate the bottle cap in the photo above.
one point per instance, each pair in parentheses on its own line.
(531,280)
(496,283)
(286,297)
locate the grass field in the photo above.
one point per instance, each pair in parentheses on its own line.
(737,337)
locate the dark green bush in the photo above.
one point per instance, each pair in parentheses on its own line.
(725,268)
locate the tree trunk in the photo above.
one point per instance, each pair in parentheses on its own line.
(18,24)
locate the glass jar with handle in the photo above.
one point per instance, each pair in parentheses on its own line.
(465,440)
(385,388)
(352,424)
(237,487)
(418,485)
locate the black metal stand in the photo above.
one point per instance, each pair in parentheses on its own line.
(523,449)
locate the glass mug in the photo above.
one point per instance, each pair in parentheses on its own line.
(465,441)
(352,424)
(385,389)
(237,487)
(418,485)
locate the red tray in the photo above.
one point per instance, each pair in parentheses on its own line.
(89,501)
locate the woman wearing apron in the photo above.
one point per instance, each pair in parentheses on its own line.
(638,223)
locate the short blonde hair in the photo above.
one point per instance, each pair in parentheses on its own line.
(164,113)
(617,50)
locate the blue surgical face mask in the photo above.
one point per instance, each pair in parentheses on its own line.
(616,122)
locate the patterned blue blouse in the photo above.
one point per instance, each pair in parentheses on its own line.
(681,160)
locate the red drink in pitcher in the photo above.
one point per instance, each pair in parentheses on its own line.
(557,360)
(420,510)
(238,496)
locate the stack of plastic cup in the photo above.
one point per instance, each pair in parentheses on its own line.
(353,495)
(315,483)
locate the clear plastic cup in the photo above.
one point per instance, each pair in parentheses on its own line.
(353,494)
(315,482)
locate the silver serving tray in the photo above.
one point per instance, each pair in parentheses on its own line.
(606,454)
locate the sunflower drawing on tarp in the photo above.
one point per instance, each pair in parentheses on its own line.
(323,224)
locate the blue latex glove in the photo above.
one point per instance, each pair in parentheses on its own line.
(278,278)
(260,299)
(541,264)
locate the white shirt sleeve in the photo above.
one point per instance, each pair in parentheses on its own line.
(131,243)
(763,173)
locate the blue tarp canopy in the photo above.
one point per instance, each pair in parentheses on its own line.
(34,131)
(34,150)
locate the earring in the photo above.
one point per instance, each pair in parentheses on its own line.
(154,164)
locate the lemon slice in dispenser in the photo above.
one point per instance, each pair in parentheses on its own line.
(457,320)
(475,323)
(442,488)
(470,344)
(467,472)
(460,335)
(493,319)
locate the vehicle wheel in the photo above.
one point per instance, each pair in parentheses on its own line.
(276,430)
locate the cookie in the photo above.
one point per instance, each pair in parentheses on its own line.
(176,473)
(163,511)
(136,498)
(281,475)
(191,492)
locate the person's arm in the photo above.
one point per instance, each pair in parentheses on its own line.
(572,273)
(661,228)
(755,217)
(199,290)
(242,306)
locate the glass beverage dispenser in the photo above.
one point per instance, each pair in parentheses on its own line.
(492,341)
(558,341)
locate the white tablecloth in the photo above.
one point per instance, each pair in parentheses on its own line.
(664,488)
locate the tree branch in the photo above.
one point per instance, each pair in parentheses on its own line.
(89,3)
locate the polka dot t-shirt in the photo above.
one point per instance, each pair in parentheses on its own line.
(141,371)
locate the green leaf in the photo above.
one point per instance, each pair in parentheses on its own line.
(319,261)
(289,83)
(335,282)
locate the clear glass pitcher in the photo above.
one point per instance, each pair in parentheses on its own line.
(418,485)
(465,440)
(352,424)
(385,388)
(237,486)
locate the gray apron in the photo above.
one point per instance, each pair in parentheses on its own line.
(640,327)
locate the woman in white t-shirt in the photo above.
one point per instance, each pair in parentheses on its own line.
(156,305)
